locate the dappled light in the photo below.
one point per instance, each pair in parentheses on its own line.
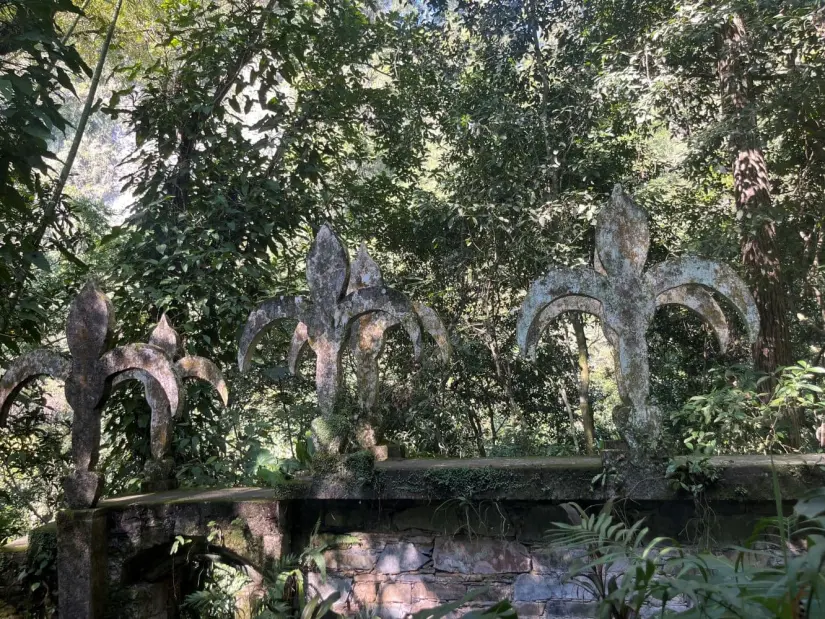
(411,309)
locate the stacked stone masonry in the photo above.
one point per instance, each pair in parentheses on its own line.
(396,575)
(403,557)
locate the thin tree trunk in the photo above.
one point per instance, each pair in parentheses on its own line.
(553,189)
(759,249)
(584,384)
(571,416)
(190,131)
(478,433)
(50,208)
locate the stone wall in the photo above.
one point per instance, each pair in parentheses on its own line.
(398,575)
(396,558)
(400,536)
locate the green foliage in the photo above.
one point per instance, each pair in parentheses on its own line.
(779,573)
(40,574)
(741,415)
(217,599)
(619,567)
(693,475)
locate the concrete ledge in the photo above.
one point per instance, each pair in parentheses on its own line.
(742,478)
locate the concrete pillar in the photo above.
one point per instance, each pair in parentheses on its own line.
(82,570)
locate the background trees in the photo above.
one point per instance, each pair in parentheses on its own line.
(471,144)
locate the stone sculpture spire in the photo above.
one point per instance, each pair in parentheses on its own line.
(325,321)
(366,342)
(87,375)
(625,297)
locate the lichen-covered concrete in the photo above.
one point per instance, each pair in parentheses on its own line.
(625,298)
(338,302)
(402,535)
(158,472)
(93,365)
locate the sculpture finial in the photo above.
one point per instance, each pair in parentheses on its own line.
(327,268)
(88,331)
(90,323)
(166,338)
(622,235)
(326,322)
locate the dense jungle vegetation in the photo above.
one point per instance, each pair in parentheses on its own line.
(183,152)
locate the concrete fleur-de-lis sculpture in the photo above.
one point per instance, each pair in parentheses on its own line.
(367,339)
(327,315)
(625,299)
(87,377)
(164,337)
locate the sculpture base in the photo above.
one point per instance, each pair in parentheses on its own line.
(159,476)
(387,451)
(82,489)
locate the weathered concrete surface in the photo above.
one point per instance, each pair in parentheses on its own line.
(742,479)
(158,472)
(82,563)
(340,302)
(625,299)
(89,328)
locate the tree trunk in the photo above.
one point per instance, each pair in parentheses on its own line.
(755,209)
(48,217)
(584,384)
(571,417)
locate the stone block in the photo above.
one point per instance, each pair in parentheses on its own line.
(527,610)
(549,559)
(439,588)
(566,609)
(424,605)
(393,611)
(540,587)
(480,556)
(347,559)
(325,588)
(82,563)
(365,593)
(395,593)
(401,557)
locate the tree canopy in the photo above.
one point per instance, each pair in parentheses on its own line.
(470,144)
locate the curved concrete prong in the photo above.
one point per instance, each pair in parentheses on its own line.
(261,319)
(370,300)
(558,283)
(435,328)
(297,346)
(26,368)
(702,302)
(413,329)
(149,359)
(160,428)
(205,370)
(719,277)
(154,395)
(571,303)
